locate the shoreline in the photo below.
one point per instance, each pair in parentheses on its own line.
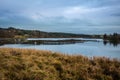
(61,53)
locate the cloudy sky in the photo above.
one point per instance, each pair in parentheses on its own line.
(75,16)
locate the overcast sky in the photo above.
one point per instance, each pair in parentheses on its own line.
(76,16)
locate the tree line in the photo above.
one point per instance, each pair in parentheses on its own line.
(112,38)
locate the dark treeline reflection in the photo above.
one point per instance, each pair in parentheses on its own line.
(111,43)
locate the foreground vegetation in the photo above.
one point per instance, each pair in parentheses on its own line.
(29,64)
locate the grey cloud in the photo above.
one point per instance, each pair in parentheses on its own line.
(45,14)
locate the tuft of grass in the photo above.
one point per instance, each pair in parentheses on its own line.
(30,64)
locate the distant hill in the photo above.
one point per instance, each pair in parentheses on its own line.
(12,32)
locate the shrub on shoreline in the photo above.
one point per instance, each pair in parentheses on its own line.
(30,64)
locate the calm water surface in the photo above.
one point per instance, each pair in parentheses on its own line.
(89,48)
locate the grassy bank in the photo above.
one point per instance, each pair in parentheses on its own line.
(26,64)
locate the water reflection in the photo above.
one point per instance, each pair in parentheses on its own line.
(57,41)
(88,48)
(105,42)
(115,44)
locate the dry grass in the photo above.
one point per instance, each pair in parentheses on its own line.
(29,64)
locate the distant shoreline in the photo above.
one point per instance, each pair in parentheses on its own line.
(11,32)
(13,35)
